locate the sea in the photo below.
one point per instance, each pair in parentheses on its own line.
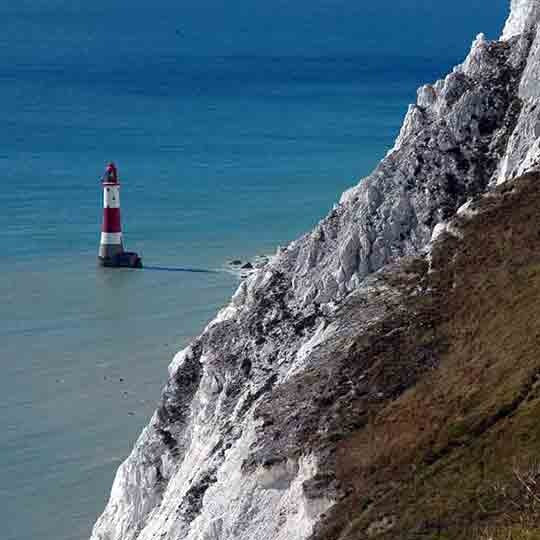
(235,128)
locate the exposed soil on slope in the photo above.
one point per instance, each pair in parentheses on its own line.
(425,463)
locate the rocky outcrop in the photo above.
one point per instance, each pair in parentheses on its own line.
(522,151)
(524,14)
(449,149)
(243,443)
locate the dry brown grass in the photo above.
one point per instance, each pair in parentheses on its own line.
(430,458)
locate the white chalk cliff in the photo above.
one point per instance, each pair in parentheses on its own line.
(523,16)
(211,465)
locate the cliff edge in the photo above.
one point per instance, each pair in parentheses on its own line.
(330,396)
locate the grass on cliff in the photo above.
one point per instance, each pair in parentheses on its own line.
(434,462)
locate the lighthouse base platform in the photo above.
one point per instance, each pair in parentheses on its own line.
(126,259)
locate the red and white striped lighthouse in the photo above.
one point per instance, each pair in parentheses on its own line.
(111,249)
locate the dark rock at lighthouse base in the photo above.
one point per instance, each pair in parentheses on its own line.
(126,259)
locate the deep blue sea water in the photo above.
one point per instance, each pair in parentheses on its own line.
(235,129)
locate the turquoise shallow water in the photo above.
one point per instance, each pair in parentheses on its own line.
(84,352)
(227,147)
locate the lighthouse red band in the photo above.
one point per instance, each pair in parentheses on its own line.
(111,232)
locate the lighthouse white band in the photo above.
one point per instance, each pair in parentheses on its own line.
(111,197)
(111,238)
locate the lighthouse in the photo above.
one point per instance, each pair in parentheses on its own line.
(111,248)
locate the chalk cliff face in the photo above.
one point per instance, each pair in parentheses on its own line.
(243,443)
(523,16)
